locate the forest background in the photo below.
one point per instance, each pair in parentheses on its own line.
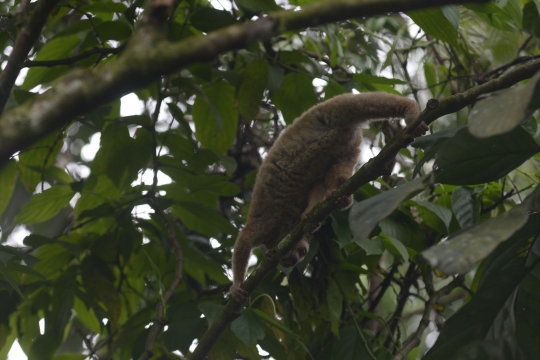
(130,137)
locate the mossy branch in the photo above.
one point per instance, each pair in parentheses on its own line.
(148,56)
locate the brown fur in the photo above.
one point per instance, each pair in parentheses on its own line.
(314,156)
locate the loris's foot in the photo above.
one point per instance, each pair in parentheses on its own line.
(342,202)
(237,293)
(421,129)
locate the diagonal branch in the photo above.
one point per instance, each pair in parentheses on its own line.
(28,34)
(149,56)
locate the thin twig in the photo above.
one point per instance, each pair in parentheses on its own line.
(415,338)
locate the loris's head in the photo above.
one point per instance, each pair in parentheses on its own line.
(298,253)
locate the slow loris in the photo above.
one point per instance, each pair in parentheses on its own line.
(314,156)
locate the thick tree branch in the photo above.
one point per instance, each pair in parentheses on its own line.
(148,56)
(28,34)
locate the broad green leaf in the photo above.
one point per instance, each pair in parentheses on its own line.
(461,252)
(395,247)
(340,225)
(45,205)
(401,226)
(257,6)
(210,19)
(463,206)
(333,89)
(5,256)
(531,19)
(201,217)
(253,81)
(210,311)
(53,50)
(15,266)
(502,45)
(443,213)
(505,110)
(350,345)
(7,276)
(248,327)
(466,160)
(365,215)
(451,12)
(295,96)
(334,300)
(372,246)
(434,22)
(212,136)
(40,157)
(499,315)
(86,315)
(8,179)
(378,80)
(180,335)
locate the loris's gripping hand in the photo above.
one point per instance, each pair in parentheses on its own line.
(237,293)
(421,129)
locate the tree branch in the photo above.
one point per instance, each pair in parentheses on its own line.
(434,296)
(28,34)
(149,56)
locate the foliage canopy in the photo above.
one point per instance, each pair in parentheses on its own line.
(122,250)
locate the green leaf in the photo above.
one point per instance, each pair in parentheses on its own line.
(350,345)
(221,96)
(5,256)
(435,23)
(366,79)
(334,299)
(41,156)
(7,276)
(531,19)
(257,6)
(253,81)
(395,246)
(371,246)
(461,252)
(504,110)
(45,205)
(365,215)
(203,219)
(295,96)
(443,213)
(496,322)
(248,327)
(15,266)
(451,12)
(210,311)
(8,179)
(210,19)
(463,206)
(52,50)
(464,159)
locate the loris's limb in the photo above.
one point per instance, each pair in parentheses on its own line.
(338,174)
(317,194)
(242,251)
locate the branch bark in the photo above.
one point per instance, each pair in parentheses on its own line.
(149,56)
(28,34)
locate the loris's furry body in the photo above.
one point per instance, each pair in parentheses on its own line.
(311,158)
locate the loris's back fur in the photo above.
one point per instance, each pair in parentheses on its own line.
(325,137)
